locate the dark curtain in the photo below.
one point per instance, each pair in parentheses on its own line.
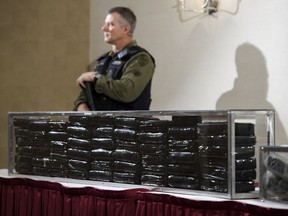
(27,197)
(21,197)
(153,204)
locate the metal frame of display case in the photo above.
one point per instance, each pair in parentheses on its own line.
(265,116)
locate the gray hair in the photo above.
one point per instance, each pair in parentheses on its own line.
(127,16)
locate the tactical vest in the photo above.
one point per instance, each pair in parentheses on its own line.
(113,67)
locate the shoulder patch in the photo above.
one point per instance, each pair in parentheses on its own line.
(143,60)
(137,73)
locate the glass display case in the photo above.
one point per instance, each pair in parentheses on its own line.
(274,173)
(188,152)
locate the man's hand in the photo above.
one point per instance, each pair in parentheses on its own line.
(87,76)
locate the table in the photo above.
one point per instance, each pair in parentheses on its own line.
(36,195)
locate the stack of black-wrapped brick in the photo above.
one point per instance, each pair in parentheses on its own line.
(57,137)
(153,148)
(32,147)
(183,166)
(213,156)
(245,161)
(102,148)
(78,147)
(23,148)
(126,157)
(182,153)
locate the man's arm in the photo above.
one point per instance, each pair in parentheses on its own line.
(81,103)
(137,73)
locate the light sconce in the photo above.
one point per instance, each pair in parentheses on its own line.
(200,6)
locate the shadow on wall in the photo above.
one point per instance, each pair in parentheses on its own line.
(251,86)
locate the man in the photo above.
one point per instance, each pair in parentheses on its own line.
(122,77)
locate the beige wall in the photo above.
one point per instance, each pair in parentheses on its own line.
(235,58)
(44,46)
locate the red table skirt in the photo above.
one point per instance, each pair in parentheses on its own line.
(163,204)
(22,196)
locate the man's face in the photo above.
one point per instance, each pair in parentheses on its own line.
(113,31)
